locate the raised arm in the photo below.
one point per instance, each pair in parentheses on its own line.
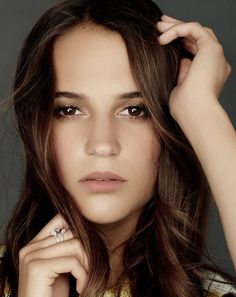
(194,105)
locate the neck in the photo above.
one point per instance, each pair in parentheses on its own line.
(115,234)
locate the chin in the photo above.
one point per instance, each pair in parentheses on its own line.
(104,218)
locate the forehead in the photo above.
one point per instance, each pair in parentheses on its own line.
(88,55)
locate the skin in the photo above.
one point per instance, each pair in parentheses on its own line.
(108,139)
(193,104)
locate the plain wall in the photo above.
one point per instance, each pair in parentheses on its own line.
(16,20)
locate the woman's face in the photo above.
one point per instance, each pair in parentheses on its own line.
(101,132)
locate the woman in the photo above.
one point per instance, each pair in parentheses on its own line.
(124,137)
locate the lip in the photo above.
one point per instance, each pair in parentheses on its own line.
(114,181)
(106,175)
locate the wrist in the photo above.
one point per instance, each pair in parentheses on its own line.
(199,124)
(190,115)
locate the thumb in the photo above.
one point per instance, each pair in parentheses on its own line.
(184,67)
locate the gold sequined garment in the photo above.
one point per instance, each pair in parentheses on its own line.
(125,292)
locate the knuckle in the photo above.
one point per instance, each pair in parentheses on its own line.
(69,234)
(76,245)
(229,68)
(75,264)
(27,259)
(209,29)
(76,248)
(218,47)
(195,24)
(22,253)
(78,251)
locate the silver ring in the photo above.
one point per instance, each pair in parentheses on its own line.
(58,233)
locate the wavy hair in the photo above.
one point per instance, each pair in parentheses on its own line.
(168,244)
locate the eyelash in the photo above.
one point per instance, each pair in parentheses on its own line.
(63,108)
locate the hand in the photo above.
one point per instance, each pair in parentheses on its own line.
(45,263)
(200,80)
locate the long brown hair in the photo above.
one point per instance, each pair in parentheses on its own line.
(167,246)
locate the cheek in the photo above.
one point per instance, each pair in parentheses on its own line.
(143,162)
(66,146)
(146,150)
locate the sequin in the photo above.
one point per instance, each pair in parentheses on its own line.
(125,292)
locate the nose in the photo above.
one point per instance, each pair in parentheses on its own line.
(102,140)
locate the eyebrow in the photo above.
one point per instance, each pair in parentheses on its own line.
(81,96)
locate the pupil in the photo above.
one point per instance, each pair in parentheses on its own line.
(133,109)
(69,110)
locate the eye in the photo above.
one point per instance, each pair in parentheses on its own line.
(64,111)
(137,112)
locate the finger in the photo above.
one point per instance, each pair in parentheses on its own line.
(73,266)
(169,19)
(189,45)
(52,268)
(71,247)
(184,67)
(192,31)
(56,222)
(43,243)
(162,26)
(209,30)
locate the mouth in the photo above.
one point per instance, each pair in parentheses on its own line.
(106,181)
(102,185)
(101,179)
(102,176)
